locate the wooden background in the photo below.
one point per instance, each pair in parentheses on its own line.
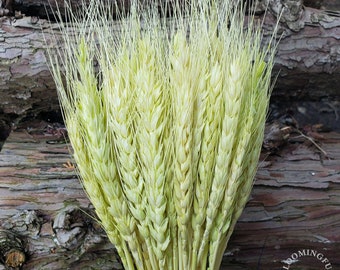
(295,203)
(307,62)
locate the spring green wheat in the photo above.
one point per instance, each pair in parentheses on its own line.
(166,120)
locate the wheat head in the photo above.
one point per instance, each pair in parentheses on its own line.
(166,119)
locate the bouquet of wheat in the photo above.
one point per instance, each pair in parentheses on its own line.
(166,119)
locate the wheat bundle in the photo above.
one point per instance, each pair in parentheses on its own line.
(166,120)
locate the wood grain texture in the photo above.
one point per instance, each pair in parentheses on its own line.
(294,205)
(307,62)
(44,202)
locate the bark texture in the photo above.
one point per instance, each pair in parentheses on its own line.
(44,205)
(307,62)
(293,206)
(44,212)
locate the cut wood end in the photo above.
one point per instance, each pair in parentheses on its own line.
(15,258)
(12,250)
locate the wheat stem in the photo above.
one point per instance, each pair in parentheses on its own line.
(182,104)
(166,120)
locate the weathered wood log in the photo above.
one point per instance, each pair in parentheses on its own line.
(294,206)
(43,8)
(12,249)
(323,4)
(307,60)
(46,9)
(42,202)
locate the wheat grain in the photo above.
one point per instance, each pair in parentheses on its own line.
(243,165)
(98,143)
(167,132)
(258,107)
(152,126)
(232,105)
(182,104)
(208,149)
(120,112)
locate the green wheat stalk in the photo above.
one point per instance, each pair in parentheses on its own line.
(166,119)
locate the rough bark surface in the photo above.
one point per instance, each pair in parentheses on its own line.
(307,61)
(43,203)
(293,206)
(295,201)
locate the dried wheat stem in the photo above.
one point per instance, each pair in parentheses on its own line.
(232,106)
(206,163)
(120,107)
(167,130)
(245,163)
(182,104)
(151,100)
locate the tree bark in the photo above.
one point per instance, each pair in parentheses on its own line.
(293,206)
(44,212)
(307,62)
(43,204)
(44,9)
